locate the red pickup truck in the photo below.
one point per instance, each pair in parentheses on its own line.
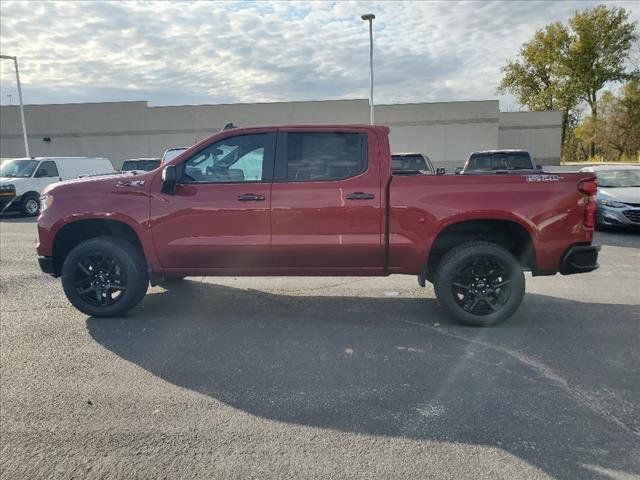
(314,200)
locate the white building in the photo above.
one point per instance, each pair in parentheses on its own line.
(446,131)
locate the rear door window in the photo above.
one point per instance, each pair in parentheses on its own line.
(322,156)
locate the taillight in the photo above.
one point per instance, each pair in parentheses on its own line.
(589,187)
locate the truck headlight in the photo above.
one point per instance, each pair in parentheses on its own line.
(7,189)
(45,202)
(612,204)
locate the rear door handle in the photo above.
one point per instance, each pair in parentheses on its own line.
(250,197)
(360,196)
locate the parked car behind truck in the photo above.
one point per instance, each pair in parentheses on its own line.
(618,197)
(314,200)
(498,161)
(141,164)
(22,179)
(171,153)
(411,163)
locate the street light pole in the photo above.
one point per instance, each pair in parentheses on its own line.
(369,18)
(24,125)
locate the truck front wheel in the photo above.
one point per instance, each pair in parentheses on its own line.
(479,283)
(105,276)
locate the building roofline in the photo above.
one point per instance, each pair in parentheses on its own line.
(328,100)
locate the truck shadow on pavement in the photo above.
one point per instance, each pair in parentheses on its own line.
(543,386)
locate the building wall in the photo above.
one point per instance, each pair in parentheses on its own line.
(447,132)
(541,132)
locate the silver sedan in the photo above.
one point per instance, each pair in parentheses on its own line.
(618,197)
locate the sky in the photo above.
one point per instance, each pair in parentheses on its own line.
(204,52)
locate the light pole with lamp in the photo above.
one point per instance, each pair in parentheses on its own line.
(369,18)
(24,126)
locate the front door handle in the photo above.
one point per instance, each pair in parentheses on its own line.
(250,197)
(360,196)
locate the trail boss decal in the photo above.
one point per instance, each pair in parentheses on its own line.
(542,178)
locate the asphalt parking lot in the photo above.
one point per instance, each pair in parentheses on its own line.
(320,378)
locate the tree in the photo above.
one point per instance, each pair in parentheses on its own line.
(631,106)
(538,79)
(616,128)
(599,47)
(564,66)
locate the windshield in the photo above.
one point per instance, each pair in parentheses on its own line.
(18,168)
(408,163)
(129,165)
(146,165)
(618,178)
(500,161)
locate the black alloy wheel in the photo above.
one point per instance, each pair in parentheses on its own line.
(482,285)
(105,276)
(100,279)
(479,283)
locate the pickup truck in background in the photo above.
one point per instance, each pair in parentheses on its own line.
(411,164)
(140,164)
(498,161)
(314,200)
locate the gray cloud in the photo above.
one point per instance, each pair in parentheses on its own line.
(210,52)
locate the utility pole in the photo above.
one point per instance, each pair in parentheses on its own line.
(24,125)
(369,18)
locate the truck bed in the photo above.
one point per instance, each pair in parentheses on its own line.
(421,207)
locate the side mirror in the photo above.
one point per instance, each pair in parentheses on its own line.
(440,171)
(169,180)
(41,173)
(538,167)
(458,170)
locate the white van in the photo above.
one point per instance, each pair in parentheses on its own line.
(22,179)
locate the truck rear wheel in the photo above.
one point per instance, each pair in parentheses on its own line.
(105,276)
(479,283)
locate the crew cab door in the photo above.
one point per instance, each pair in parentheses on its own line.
(326,202)
(219,216)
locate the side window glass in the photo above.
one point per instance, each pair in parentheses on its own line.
(234,159)
(325,156)
(47,169)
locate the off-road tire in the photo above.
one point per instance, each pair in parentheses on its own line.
(131,262)
(456,259)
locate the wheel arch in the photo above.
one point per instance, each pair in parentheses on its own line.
(506,232)
(73,233)
(30,193)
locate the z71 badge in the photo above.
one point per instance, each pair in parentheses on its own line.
(543,178)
